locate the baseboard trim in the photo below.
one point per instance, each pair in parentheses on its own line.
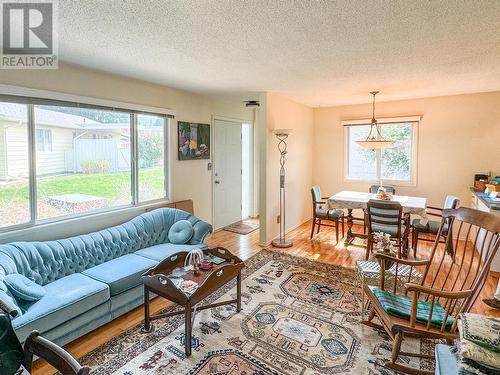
(288,231)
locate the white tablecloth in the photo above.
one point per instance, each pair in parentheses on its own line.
(358,200)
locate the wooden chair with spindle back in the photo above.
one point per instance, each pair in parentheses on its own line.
(449,286)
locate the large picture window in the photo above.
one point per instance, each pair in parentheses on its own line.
(78,160)
(395,165)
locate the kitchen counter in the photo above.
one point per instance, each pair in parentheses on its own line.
(487,201)
(482,202)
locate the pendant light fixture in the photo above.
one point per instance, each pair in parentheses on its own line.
(375,141)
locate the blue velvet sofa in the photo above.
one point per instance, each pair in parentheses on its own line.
(92,278)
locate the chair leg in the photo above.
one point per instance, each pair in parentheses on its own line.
(415,243)
(364,222)
(337,231)
(312,230)
(368,246)
(319,226)
(343,221)
(396,346)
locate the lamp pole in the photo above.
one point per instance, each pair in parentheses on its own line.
(282,135)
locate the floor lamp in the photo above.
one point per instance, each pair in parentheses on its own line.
(282,135)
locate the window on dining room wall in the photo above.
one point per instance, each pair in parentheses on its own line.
(395,165)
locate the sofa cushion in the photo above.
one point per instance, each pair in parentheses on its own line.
(160,252)
(121,274)
(23,288)
(64,299)
(180,232)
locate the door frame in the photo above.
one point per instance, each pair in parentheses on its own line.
(212,159)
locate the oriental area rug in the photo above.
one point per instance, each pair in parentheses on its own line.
(299,317)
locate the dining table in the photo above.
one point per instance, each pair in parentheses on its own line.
(351,200)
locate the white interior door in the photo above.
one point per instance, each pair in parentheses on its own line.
(227,173)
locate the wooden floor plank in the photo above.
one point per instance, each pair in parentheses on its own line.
(321,248)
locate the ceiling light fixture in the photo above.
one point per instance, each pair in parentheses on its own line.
(375,141)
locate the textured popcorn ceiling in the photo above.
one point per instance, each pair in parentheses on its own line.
(315,52)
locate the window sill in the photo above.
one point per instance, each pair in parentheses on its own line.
(384,182)
(52,229)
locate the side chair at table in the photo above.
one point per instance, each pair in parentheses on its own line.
(386,217)
(320,214)
(388,189)
(432,227)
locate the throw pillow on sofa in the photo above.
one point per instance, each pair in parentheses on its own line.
(23,288)
(180,232)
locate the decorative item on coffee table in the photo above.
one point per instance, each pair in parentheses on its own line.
(189,285)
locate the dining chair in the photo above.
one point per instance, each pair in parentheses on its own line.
(374,190)
(320,214)
(388,189)
(13,355)
(431,308)
(386,217)
(432,227)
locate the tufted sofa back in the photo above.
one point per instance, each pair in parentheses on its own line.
(45,262)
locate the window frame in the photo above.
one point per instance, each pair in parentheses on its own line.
(30,102)
(414,121)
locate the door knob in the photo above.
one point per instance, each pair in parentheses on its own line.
(217,181)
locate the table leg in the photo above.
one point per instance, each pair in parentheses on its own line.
(349,237)
(187,330)
(238,292)
(147,322)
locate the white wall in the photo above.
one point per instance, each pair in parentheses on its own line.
(284,113)
(190,179)
(458,136)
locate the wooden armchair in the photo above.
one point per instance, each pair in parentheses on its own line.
(432,227)
(13,355)
(449,286)
(320,214)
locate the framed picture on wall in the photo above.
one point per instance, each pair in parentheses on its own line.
(193,140)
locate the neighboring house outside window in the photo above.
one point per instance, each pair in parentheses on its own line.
(396,165)
(43,140)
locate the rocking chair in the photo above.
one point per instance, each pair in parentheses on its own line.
(13,354)
(449,286)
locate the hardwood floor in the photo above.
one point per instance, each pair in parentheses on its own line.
(322,248)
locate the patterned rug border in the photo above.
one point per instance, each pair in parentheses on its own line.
(251,359)
(251,265)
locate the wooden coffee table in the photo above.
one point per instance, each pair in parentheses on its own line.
(157,280)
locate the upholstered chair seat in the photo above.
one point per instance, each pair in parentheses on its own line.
(329,214)
(431,227)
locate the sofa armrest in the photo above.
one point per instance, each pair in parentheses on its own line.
(8,305)
(201,231)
